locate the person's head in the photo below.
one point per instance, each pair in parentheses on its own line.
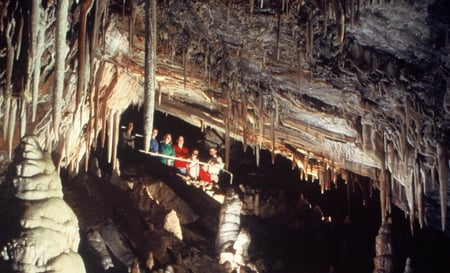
(194,153)
(154,132)
(180,140)
(212,151)
(167,138)
(130,126)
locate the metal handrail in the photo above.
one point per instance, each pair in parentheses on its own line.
(186,160)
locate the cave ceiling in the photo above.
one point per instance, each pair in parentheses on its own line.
(336,86)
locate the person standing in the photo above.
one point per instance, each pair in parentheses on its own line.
(215,164)
(128,137)
(167,149)
(182,152)
(194,166)
(154,145)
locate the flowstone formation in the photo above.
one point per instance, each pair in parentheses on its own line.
(43,230)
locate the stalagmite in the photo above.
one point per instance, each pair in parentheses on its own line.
(61,52)
(443,177)
(12,126)
(150,70)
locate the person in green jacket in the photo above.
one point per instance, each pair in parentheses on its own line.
(166,148)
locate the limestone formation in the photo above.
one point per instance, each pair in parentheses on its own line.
(337,87)
(48,237)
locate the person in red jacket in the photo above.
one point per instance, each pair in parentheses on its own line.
(181,152)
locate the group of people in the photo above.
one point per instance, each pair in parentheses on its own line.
(178,156)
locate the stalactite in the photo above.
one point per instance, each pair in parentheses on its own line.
(348,188)
(352,13)
(443,176)
(227,142)
(32,49)
(433,176)
(366,132)
(227,116)
(99,8)
(159,91)
(61,52)
(252,7)
(81,84)
(96,105)
(309,36)
(110,134)
(184,67)
(116,129)
(23,117)
(272,134)
(37,64)
(104,125)
(262,4)
(321,179)
(261,124)
(150,70)
(278,36)
(277,112)
(10,27)
(257,150)
(18,46)
(229,2)
(382,181)
(132,22)
(12,126)
(300,69)
(244,121)
(325,19)
(411,204)
(388,192)
(419,197)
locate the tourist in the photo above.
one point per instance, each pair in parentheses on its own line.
(182,152)
(215,164)
(128,137)
(167,149)
(154,145)
(194,166)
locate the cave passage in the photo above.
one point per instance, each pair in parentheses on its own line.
(341,241)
